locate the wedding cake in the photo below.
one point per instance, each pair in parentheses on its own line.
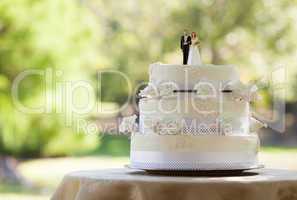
(194,117)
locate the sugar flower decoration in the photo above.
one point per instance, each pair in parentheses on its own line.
(241,91)
(128,124)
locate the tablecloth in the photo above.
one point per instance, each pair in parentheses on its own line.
(127,184)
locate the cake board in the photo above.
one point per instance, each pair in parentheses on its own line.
(199,172)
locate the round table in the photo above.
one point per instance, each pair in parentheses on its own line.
(127,184)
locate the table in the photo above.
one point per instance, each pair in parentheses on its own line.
(126,184)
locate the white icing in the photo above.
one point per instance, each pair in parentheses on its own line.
(202,116)
(166,89)
(186,76)
(165,126)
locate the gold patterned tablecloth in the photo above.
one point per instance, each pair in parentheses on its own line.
(126,184)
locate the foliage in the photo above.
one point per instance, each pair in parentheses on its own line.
(81,37)
(38,35)
(114,146)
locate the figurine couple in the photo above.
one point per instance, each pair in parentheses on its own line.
(189,45)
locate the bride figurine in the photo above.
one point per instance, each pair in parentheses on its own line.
(194,55)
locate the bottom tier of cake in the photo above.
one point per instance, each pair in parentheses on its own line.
(188,152)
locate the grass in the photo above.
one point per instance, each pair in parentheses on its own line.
(46,174)
(272,149)
(14,196)
(49,172)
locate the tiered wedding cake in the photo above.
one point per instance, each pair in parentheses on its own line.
(193,117)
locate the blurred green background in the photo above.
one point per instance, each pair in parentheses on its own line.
(75,39)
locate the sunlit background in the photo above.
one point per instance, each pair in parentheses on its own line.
(71,41)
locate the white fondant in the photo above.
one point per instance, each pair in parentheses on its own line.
(196,114)
(186,76)
(188,122)
(194,152)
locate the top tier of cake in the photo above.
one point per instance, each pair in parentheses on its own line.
(186,76)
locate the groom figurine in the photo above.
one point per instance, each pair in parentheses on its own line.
(185,43)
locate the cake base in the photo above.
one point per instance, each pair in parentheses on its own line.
(194,153)
(259,166)
(226,172)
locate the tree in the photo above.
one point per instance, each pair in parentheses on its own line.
(40,35)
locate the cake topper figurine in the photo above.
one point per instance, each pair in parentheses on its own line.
(194,55)
(185,43)
(190,47)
